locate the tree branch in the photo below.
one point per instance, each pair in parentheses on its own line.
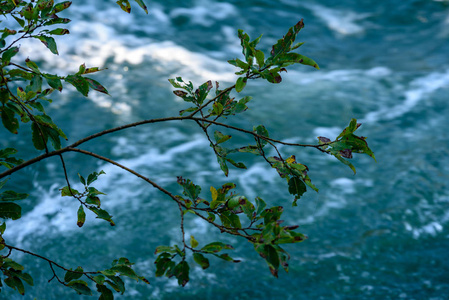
(46,259)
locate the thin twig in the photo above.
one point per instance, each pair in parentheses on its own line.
(182,228)
(46,259)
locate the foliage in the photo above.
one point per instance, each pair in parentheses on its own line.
(24,88)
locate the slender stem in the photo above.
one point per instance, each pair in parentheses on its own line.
(46,259)
(182,228)
(135,124)
(257,135)
(222,228)
(67,179)
(96,135)
(154,184)
(23,68)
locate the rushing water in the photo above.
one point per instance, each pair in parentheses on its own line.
(381,234)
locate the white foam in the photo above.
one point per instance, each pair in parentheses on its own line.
(348,75)
(205,13)
(341,21)
(329,132)
(432,229)
(46,217)
(254,175)
(346,184)
(419,90)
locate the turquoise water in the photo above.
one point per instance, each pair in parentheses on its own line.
(381,234)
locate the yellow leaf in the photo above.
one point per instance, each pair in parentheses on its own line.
(291,159)
(214,193)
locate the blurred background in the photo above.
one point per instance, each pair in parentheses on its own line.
(381,234)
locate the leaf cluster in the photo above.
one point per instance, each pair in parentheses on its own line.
(26,90)
(281,56)
(104,280)
(346,144)
(88,199)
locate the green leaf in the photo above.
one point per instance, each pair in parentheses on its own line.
(8,54)
(240,64)
(346,163)
(296,187)
(193,242)
(226,257)
(32,65)
(57,20)
(122,261)
(284,45)
(201,260)
(260,58)
(223,165)
(59,31)
(116,283)
(215,247)
(93,200)
(202,91)
(217,108)
(262,131)
(20,21)
(220,137)
(160,249)
(235,220)
(39,137)
(24,276)
(181,272)
(125,271)
(106,294)
(9,263)
(4,96)
(94,192)
(308,61)
(163,264)
(81,216)
(99,279)
(69,275)
(240,84)
(247,207)
(80,83)
(66,191)
(15,283)
(12,196)
(9,121)
(53,81)
(61,6)
(82,180)
(96,86)
(80,286)
(260,204)
(54,137)
(94,176)
(270,255)
(272,76)
(124,4)
(102,214)
(9,210)
(142,4)
(49,42)
(108,272)
(190,109)
(191,190)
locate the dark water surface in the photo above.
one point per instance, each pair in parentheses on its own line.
(381,234)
